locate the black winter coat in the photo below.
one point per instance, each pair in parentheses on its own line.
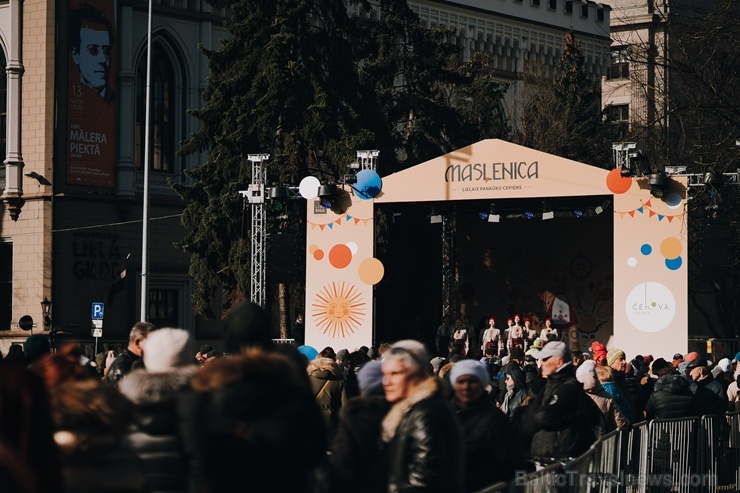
(154,434)
(562,418)
(671,398)
(492,452)
(244,419)
(357,449)
(425,450)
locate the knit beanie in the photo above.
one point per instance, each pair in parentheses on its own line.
(586,374)
(165,349)
(613,355)
(469,367)
(415,349)
(599,352)
(370,378)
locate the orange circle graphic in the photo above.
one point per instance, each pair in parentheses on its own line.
(671,248)
(340,256)
(318,254)
(616,183)
(371,271)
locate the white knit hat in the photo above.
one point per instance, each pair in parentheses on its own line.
(165,349)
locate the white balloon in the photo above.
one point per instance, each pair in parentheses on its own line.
(309,187)
(352,247)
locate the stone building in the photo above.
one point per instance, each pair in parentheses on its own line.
(72,126)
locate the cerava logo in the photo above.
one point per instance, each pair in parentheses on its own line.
(650,306)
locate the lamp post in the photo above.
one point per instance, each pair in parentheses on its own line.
(46,311)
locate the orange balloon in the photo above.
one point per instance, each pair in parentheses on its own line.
(617,183)
(340,256)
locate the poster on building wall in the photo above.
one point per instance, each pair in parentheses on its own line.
(92,97)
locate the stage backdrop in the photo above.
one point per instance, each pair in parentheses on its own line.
(650,250)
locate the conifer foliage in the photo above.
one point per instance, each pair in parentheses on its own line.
(310,82)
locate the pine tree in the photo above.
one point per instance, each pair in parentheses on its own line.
(561,113)
(309,84)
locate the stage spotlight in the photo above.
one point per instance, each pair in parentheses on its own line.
(578,213)
(492,216)
(714,178)
(529,214)
(327,194)
(547,212)
(601,208)
(435,217)
(658,183)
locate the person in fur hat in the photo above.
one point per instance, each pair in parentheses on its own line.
(249,414)
(154,390)
(422,433)
(91,419)
(330,391)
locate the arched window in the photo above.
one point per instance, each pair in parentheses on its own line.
(162,112)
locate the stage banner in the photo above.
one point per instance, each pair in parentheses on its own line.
(92,97)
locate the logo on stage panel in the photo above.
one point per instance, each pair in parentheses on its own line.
(650,306)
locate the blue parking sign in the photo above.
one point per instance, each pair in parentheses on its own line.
(97,311)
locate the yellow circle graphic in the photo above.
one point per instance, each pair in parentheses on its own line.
(671,248)
(371,271)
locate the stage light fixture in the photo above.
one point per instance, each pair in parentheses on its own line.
(529,214)
(547,212)
(601,208)
(714,178)
(326,203)
(578,213)
(492,216)
(435,217)
(658,183)
(483,215)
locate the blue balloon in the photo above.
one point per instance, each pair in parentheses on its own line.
(368,184)
(308,351)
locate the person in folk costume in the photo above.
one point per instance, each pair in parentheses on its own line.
(529,334)
(548,332)
(515,334)
(459,343)
(492,338)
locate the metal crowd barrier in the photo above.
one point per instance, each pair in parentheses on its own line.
(682,455)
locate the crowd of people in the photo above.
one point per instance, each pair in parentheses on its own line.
(156,416)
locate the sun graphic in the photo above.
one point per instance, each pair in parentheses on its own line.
(338,309)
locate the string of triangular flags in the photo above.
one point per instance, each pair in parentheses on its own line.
(646,207)
(338,222)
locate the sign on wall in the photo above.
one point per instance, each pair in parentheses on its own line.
(91,91)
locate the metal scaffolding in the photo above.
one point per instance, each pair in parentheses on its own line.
(255,195)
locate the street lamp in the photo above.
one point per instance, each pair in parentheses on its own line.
(46,312)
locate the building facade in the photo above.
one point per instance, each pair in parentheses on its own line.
(74,157)
(72,127)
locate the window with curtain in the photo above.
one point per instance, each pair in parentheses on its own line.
(162,112)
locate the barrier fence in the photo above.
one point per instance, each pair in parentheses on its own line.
(691,455)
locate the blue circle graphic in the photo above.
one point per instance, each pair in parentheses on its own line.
(368,184)
(673,264)
(646,249)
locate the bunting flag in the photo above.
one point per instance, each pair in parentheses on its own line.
(647,207)
(119,284)
(338,222)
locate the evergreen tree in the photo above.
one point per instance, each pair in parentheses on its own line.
(309,84)
(562,114)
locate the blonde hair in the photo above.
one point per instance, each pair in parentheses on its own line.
(605,374)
